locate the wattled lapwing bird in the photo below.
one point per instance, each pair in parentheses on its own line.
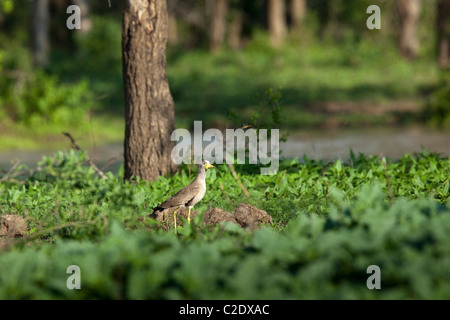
(190,195)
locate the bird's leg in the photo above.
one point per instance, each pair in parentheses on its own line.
(189,216)
(175,220)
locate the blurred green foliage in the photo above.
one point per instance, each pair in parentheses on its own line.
(6,6)
(268,114)
(331,221)
(437,110)
(364,72)
(96,56)
(334,58)
(36,98)
(42,100)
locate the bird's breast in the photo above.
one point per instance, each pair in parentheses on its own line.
(200,194)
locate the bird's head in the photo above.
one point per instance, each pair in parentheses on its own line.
(207,164)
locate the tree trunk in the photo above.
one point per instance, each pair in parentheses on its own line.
(85,7)
(298,14)
(409,14)
(173,30)
(234,35)
(39,30)
(443,24)
(149,107)
(218,24)
(277,21)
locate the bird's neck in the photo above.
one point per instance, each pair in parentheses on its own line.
(201,172)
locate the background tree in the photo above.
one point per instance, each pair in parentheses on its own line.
(173,30)
(218,24)
(235,30)
(409,14)
(277,21)
(443,24)
(193,21)
(39,32)
(298,14)
(149,107)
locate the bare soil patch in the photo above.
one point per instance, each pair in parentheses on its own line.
(11,227)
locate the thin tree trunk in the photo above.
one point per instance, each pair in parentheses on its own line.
(218,24)
(443,24)
(277,21)
(409,14)
(149,107)
(235,32)
(39,29)
(298,14)
(173,30)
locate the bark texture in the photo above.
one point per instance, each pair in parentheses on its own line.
(149,107)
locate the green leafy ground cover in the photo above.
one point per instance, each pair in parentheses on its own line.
(331,221)
(82,92)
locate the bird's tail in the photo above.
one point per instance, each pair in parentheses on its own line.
(157,209)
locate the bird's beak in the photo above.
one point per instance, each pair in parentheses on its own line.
(209,166)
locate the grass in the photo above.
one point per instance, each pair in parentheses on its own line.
(304,186)
(331,221)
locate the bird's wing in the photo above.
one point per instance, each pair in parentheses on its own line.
(181,197)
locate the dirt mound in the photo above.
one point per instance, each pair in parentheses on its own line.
(245,215)
(12,226)
(217,215)
(251,217)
